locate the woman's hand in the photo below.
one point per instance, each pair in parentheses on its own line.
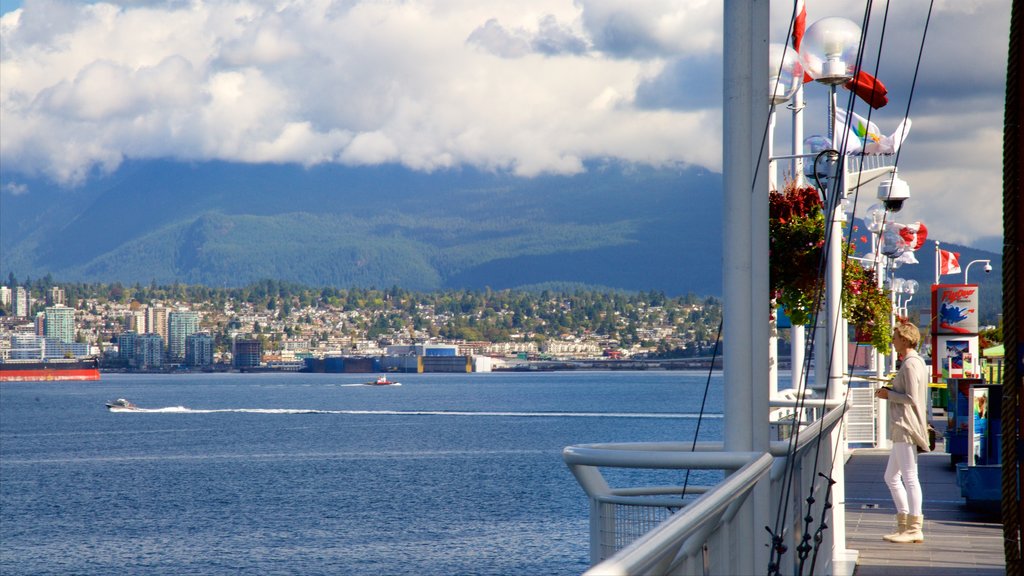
(882,393)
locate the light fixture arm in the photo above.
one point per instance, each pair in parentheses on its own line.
(972,262)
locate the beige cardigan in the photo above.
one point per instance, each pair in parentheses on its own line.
(908,402)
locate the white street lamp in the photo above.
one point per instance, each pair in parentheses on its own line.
(829,48)
(784,77)
(828,54)
(988,267)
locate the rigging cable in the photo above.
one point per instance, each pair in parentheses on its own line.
(774,564)
(838,442)
(703,402)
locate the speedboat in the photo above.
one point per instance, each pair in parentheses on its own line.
(382,381)
(121,404)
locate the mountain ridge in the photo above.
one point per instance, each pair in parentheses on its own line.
(226,224)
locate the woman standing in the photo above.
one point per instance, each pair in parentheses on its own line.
(908,429)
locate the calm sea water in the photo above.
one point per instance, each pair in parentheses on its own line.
(314,474)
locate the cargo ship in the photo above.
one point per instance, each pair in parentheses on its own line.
(49,370)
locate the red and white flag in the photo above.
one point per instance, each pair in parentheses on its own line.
(949,262)
(799,24)
(799,27)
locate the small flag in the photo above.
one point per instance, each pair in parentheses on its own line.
(869,89)
(914,235)
(799,27)
(949,262)
(865,137)
(799,24)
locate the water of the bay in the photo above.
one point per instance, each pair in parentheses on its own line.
(316,474)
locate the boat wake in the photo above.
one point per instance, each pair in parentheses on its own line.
(184,410)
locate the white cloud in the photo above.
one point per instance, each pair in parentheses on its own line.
(527,86)
(15,188)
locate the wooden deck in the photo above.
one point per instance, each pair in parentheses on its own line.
(958,541)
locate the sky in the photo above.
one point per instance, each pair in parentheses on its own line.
(527,87)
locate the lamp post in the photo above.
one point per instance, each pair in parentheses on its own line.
(784,78)
(828,53)
(988,267)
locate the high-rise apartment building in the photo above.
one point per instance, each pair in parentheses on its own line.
(149,351)
(247,353)
(5,296)
(126,345)
(55,296)
(199,349)
(180,324)
(135,321)
(60,323)
(19,302)
(156,321)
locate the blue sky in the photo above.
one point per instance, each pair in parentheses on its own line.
(527,87)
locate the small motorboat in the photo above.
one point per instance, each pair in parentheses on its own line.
(382,381)
(121,405)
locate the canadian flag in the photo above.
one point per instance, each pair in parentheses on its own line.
(949,262)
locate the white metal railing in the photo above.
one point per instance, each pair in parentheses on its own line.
(652,530)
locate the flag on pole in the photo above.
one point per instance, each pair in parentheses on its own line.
(949,262)
(799,27)
(799,24)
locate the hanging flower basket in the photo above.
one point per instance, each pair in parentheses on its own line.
(796,243)
(796,238)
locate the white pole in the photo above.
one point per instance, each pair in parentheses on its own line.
(882,431)
(797,331)
(833,266)
(738,132)
(745,306)
(773,333)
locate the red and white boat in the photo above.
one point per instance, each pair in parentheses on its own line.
(383,381)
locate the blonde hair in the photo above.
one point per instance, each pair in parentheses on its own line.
(908,332)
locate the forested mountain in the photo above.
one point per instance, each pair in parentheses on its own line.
(227,225)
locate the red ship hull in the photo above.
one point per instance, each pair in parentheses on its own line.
(48,371)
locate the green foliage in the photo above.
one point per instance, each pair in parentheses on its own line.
(489,315)
(796,238)
(796,279)
(867,306)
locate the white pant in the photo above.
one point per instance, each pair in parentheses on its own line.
(901,477)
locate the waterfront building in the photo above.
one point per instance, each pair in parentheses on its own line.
(180,324)
(149,352)
(199,349)
(59,323)
(126,345)
(25,346)
(248,352)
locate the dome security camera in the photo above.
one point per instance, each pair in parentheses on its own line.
(893,193)
(988,268)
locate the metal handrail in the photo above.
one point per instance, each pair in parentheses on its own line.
(643,555)
(682,538)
